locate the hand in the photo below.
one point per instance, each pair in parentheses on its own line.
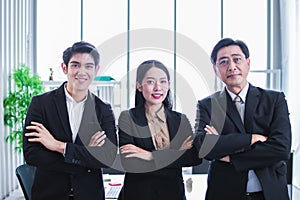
(225,159)
(134,151)
(98,139)
(210,130)
(258,137)
(43,136)
(187,143)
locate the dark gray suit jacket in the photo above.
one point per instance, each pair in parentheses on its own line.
(266,113)
(80,168)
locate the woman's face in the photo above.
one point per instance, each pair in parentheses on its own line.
(154,87)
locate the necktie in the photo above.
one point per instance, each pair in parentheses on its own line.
(238,103)
(253,184)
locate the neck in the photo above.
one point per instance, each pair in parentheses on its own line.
(153,108)
(77,95)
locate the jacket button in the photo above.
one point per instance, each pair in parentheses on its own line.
(89,170)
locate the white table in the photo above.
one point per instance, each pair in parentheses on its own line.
(193,191)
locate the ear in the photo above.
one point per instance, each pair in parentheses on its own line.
(64,68)
(97,69)
(138,86)
(248,63)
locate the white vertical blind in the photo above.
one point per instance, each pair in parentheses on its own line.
(290,31)
(16,48)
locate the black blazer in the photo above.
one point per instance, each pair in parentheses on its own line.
(80,168)
(266,113)
(162,177)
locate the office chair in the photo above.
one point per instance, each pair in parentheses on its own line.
(25,174)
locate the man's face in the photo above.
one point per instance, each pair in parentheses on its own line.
(80,72)
(232,67)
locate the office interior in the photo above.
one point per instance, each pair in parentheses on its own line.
(181,34)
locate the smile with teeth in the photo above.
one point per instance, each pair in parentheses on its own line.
(81,79)
(156,96)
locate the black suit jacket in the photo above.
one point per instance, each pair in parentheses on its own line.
(266,113)
(162,177)
(80,168)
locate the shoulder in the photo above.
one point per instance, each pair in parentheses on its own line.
(266,93)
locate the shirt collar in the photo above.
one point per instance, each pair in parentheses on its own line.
(70,98)
(242,93)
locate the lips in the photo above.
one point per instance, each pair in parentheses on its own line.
(233,75)
(81,79)
(156,96)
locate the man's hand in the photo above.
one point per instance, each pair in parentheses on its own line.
(42,135)
(137,152)
(257,137)
(98,139)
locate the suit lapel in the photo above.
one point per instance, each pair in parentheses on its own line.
(225,105)
(252,100)
(89,122)
(62,111)
(142,129)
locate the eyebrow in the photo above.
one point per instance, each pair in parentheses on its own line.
(235,54)
(76,62)
(150,77)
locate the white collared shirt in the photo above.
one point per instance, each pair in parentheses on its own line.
(242,95)
(75,111)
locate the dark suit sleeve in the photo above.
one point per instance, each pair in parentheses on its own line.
(35,153)
(167,158)
(216,146)
(275,124)
(96,157)
(173,157)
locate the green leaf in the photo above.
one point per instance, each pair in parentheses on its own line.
(25,86)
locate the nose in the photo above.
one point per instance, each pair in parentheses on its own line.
(157,86)
(232,66)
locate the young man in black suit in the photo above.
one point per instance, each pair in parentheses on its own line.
(239,169)
(69,133)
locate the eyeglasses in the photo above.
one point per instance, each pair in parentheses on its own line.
(225,62)
(151,83)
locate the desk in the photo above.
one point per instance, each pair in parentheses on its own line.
(193,191)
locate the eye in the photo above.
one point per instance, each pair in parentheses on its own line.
(237,60)
(150,82)
(224,62)
(74,65)
(163,82)
(89,66)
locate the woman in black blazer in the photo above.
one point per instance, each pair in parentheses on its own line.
(155,142)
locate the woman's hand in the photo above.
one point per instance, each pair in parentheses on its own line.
(133,151)
(210,130)
(187,144)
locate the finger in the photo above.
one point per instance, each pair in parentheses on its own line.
(100,139)
(32,134)
(101,143)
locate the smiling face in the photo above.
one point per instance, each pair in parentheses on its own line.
(232,67)
(80,71)
(154,87)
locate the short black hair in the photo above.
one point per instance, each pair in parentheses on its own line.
(228,42)
(142,69)
(81,47)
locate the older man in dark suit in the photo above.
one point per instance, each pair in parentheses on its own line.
(240,169)
(70,133)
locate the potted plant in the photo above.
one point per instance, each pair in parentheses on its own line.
(16,103)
